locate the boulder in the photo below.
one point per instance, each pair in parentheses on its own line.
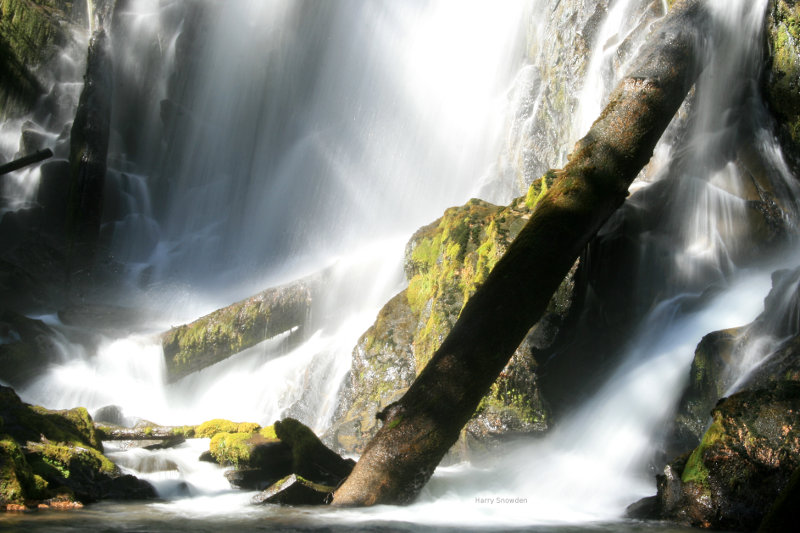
(772,337)
(445,262)
(295,490)
(57,456)
(745,460)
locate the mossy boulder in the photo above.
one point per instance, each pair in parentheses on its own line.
(295,490)
(782,80)
(47,455)
(262,456)
(719,357)
(445,263)
(744,462)
(230,330)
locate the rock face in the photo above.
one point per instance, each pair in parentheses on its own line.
(30,35)
(229,330)
(26,346)
(782,80)
(88,154)
(735,465)
(445,262)
(771,341)
(56,455)
(745,460)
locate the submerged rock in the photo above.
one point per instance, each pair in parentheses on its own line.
(295,490)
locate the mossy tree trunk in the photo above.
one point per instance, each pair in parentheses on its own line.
(420,427)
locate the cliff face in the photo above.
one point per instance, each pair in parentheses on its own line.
(31,34)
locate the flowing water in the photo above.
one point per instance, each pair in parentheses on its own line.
(309,135)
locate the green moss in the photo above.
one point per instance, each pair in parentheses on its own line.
(218,425)
(231,448)
(696,470)
(268,433)
(16,479)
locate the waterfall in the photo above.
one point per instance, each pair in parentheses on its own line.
(275,138)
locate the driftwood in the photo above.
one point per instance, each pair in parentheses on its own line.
(24,161)
(420,427)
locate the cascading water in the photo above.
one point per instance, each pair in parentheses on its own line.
(294,144)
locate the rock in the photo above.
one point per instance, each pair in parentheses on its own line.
(88,153)
(52,196)
(721,354)
(227,331)
(781,85)
(110,414)
(167,443)
(26,346)
(784,515)
(57,455)
(445,262)
(30,35)
(745,460)
(295,490)
(310,457)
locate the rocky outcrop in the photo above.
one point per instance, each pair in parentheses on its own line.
(229,330)
(445,262)
(88,154)
(31,34)
(769,344)
(547,91)
(782,79)
(744,462)
(56,456)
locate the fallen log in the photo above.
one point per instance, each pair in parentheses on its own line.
(24,161)
(420,427)
(227,331)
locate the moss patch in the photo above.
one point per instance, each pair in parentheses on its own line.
(218,425)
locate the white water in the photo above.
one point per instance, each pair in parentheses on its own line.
(594,464)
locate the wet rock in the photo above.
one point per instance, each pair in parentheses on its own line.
(88,153)
(770,344)
(295,490)
(58,454)
(310,457)
(744,462)
(52,196)
(781,81)
(110,414)
(26,346)
(445,262)
(784,515)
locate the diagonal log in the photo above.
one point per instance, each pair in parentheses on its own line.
(420,427)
